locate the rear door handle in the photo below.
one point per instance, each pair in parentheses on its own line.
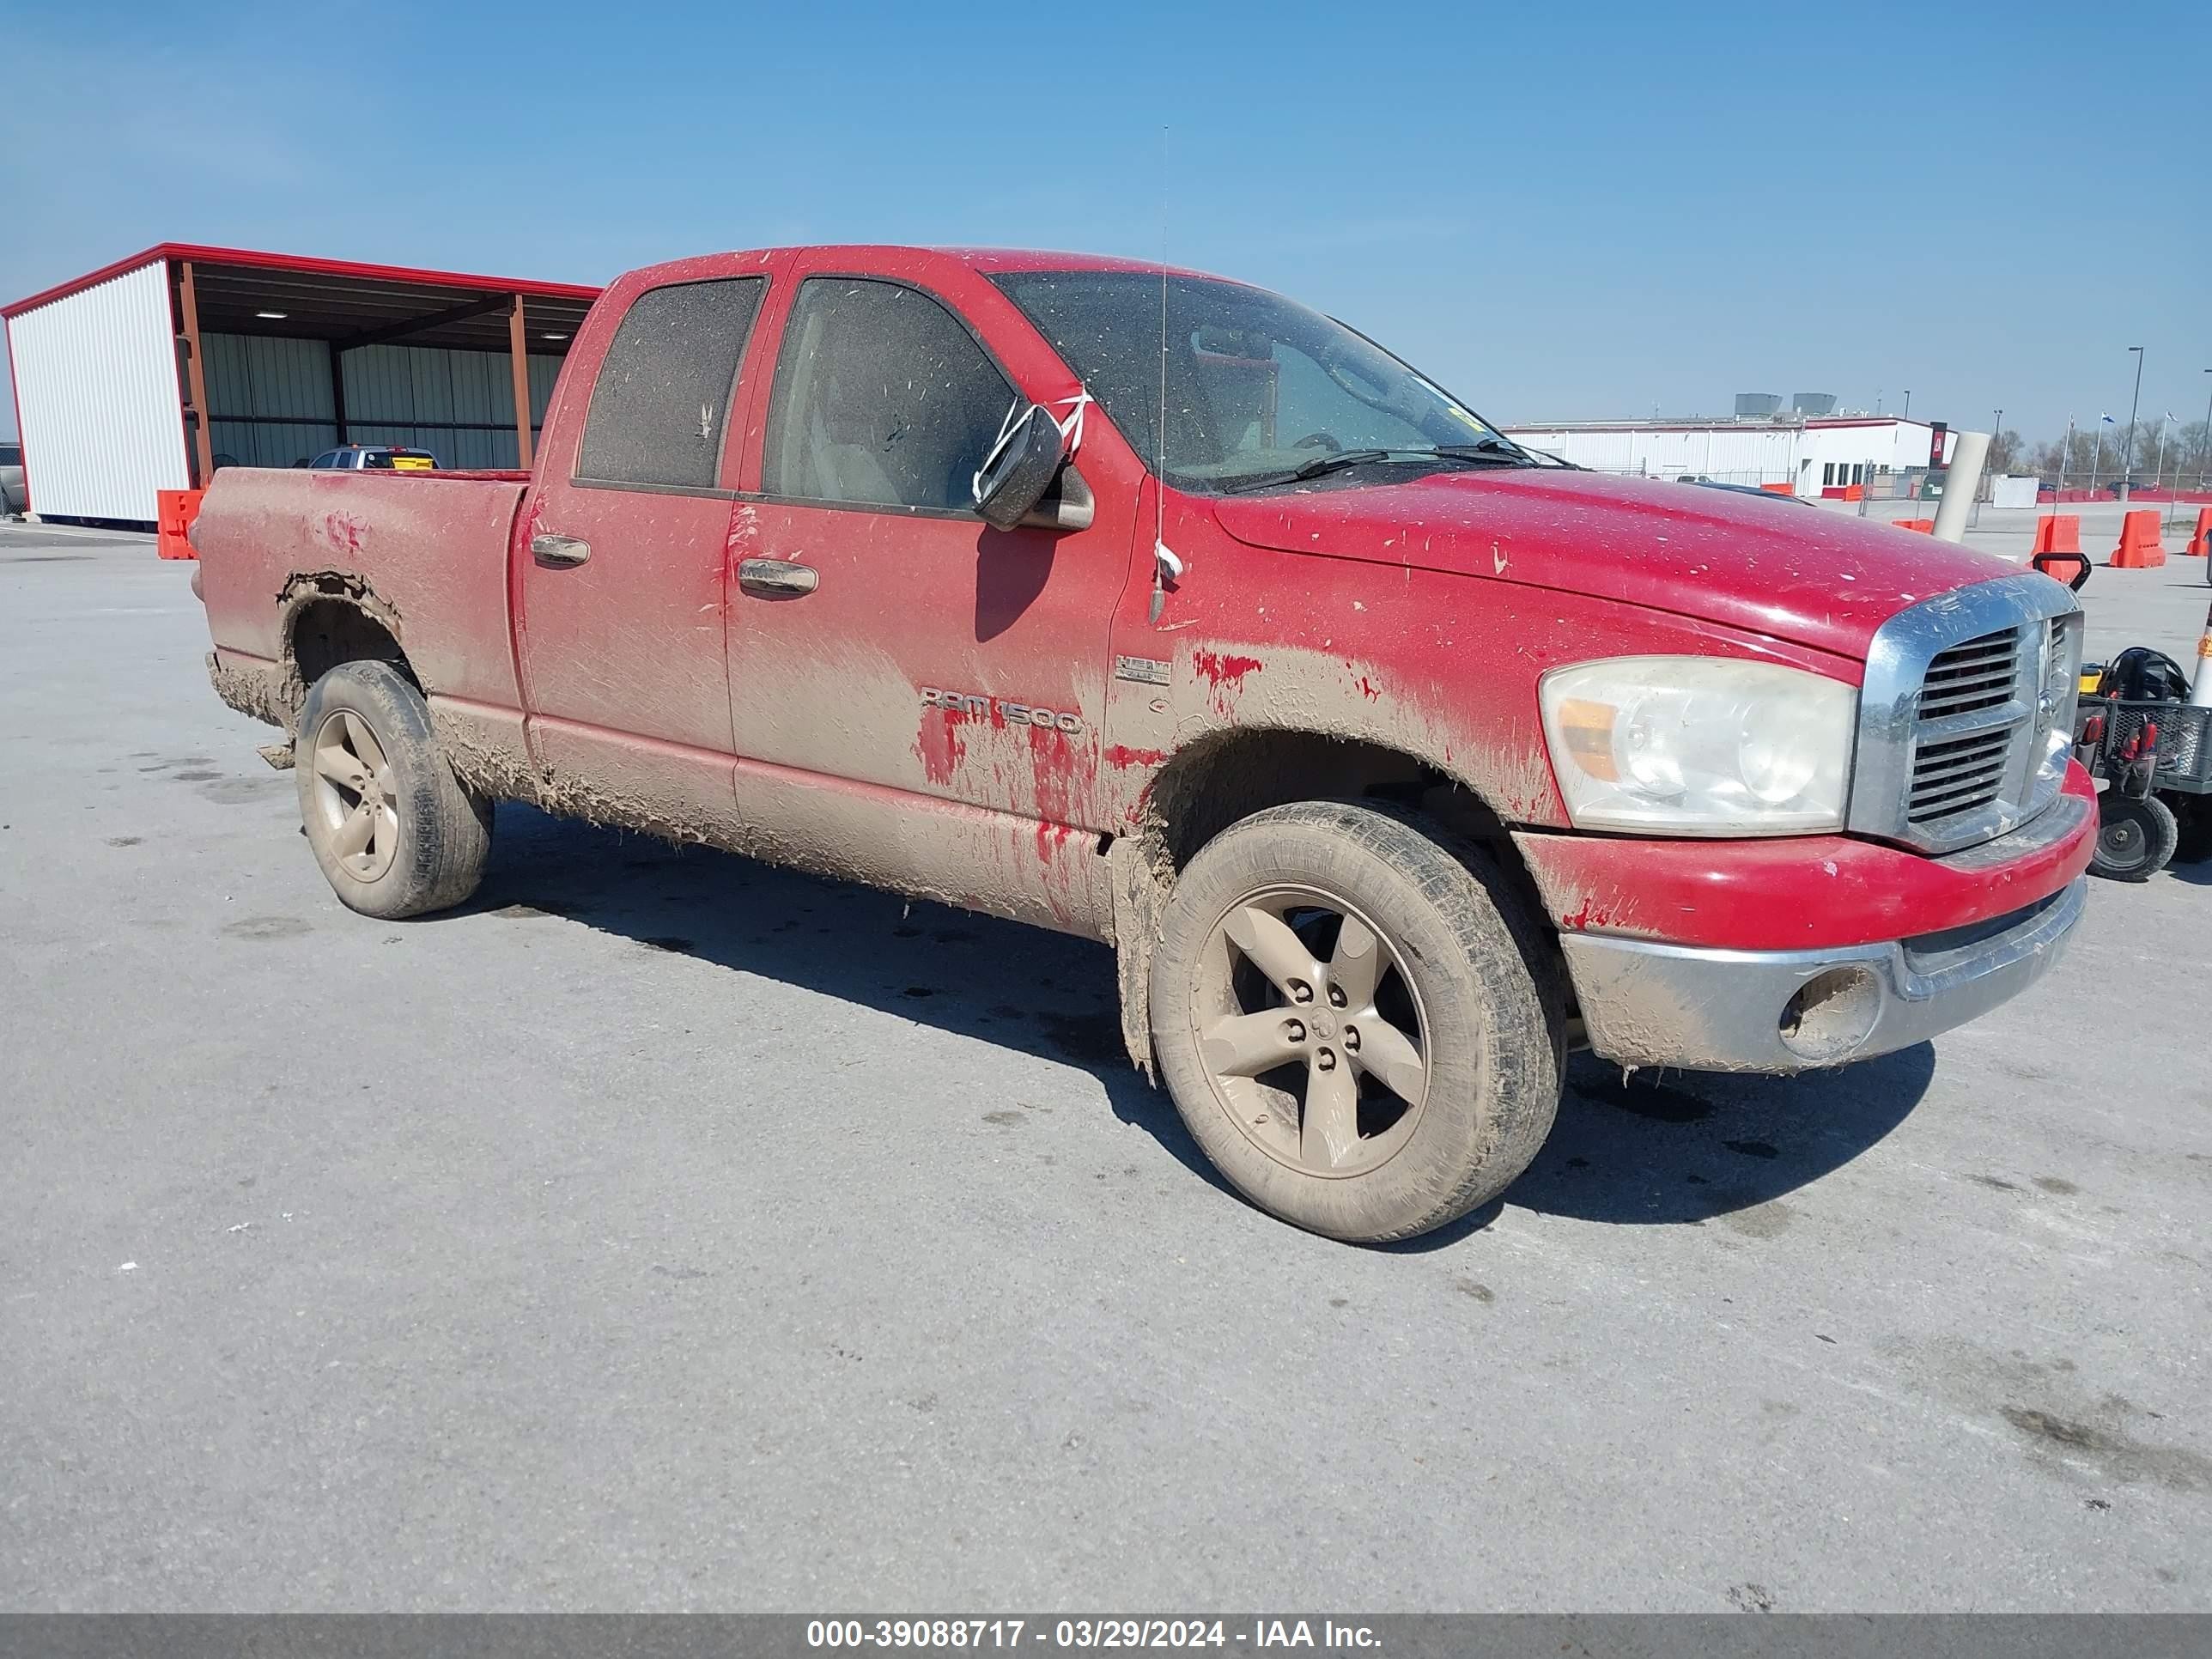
(777,579)
(559,552)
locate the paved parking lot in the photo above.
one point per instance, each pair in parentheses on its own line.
(663,1230)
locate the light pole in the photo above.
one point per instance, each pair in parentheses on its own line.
(2158,467)
(2128,449)
(2204,468)
(1908,405)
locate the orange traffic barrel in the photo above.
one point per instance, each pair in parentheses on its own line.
(2058,532)
(2139,548)
(2200,543)
(175,510)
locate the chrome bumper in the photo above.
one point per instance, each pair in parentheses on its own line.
(1793,1010)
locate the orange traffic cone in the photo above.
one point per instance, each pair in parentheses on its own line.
(2200,544)
(2139,548)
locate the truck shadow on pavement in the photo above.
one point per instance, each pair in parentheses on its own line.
(1689,1147)
(1024,988)
(1682,1149)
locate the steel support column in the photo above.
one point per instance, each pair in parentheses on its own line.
(519,360)
(337,390)
(196,376)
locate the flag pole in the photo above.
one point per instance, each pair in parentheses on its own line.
(2158,471)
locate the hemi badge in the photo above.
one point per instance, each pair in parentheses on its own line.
(1145,671)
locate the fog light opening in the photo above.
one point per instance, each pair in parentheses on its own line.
(1831,1014)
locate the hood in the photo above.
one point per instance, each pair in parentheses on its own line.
(1821,578)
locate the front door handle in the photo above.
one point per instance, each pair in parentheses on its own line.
(559,552)
(777,579)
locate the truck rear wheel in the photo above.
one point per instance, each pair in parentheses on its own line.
(1360,1030)
(396,834)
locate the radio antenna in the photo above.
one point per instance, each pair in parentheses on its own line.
(1162,559)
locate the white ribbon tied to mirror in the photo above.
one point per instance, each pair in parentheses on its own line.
(1167,565)
(1071,431)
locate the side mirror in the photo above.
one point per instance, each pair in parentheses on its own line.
(1018,472)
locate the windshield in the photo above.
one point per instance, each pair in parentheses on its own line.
(1259,391)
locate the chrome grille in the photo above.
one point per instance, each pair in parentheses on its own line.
(1961,697)
(1968,677)
(1957,775)
(1965,773)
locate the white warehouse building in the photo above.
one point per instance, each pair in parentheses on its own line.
(150,373)
(1834,456)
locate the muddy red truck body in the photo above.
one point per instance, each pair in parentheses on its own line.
(762,642)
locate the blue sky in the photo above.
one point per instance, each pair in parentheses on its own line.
(1557,212)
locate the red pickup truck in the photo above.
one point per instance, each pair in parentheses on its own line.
(1393,761)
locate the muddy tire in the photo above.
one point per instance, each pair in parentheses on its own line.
(1357,1019)
(2136,839)
(394,831)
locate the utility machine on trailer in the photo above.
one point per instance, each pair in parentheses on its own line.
(2136,730)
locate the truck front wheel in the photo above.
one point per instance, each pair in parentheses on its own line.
(1360,1030)
(395,832)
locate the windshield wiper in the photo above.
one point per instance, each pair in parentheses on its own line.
(1495,448)
(1492,451)
(1335,461)
(1492,448)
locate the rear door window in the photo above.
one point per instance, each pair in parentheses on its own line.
(662,401)
(882,398)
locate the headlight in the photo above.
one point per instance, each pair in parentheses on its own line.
(2055,709)
(1699,745)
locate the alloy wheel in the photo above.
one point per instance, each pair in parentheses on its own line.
(1312,1032)
(354,796)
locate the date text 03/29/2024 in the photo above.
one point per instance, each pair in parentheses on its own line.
(1123,1633)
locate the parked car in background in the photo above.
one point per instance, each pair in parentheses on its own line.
(13,498)
(374,458)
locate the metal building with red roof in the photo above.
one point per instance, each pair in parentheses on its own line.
(150,373)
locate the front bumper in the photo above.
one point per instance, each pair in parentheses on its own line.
(1706,1010)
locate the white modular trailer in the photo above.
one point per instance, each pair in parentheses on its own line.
(1807,457)
(97,399)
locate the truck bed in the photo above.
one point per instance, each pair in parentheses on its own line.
(427,547)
